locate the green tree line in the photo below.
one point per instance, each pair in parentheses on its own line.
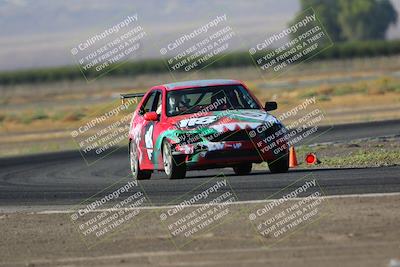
(352,20)
(236,59)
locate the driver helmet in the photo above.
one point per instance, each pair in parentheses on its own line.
(173,102)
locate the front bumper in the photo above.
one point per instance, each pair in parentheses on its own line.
(225,153)
(255,145)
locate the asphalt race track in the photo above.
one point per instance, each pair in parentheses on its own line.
(65,179)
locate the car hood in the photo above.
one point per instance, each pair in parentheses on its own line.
(221,121)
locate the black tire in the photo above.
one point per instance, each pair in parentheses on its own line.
(243,169)
(280,165)
(174,167)
(137,173)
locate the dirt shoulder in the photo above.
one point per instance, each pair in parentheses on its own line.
(356,231)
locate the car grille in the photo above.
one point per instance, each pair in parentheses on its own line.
(240,135)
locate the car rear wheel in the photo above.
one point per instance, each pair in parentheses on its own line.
(242,169)
(174,167)
(137,173)
(279,165)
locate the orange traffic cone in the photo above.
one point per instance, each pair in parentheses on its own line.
(292,158)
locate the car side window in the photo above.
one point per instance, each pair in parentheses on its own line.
(148,104)
(157,105)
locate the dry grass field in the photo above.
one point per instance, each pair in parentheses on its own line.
(38,118)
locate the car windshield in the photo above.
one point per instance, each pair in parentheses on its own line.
(208,99)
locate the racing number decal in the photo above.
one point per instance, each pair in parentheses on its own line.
(148,139)
(197,121)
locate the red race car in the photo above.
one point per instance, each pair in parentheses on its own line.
(204,124)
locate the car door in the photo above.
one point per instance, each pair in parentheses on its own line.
(147,130)
(159,128)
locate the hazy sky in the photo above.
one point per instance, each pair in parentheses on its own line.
(40,33)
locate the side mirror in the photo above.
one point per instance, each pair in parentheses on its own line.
(270,105)
(151,116)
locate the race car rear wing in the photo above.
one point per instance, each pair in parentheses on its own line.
(125,96)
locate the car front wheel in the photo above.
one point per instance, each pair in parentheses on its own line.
(137,173)
(174,167)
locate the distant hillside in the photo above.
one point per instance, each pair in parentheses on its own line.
(41,33)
